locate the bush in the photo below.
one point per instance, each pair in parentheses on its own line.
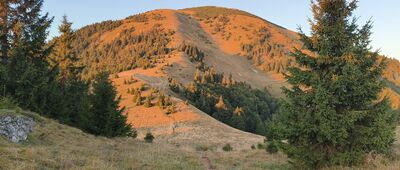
(171,109)
(149,137)
(227,148)
(132,133)
(271,148)
(202,148)
(260,146)
(7,103)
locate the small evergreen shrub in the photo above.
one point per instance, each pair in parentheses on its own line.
(171,109)
(260,146)
(271,148)
(202,148)
(149,137)
(227,148)
(147,102)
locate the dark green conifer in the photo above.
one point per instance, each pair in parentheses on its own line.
(30,79)
(107,117)
(331,115)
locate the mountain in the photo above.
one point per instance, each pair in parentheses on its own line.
(183,75)
(148,51)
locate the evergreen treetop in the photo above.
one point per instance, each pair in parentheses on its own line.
(63,54)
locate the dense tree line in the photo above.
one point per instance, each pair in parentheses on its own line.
(214,12)
(44,78)
(145,17)
(233,103)
(332,115)
(126,51)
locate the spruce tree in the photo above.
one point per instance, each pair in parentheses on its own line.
(197,76)
(221,104)
(171,109)
(30,78)
(160,100)
(331,115)
(63,55)
(74,90)
(147,101)
(137,98)
(107,117)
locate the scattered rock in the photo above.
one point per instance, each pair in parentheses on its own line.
(15,128)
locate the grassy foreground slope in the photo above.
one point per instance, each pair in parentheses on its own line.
(56,146)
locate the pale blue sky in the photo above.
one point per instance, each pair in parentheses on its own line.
(287,13)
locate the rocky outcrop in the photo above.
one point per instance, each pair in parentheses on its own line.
(16,128)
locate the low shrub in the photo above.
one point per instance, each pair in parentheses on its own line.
(271,148)
(260,146)
(149,137)
(227,148)
(202,148)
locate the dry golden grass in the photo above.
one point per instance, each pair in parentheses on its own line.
(56,146)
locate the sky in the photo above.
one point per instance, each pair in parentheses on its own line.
(290,14)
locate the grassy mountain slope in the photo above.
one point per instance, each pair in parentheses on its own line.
(266,44)
(144,49)
(56,146)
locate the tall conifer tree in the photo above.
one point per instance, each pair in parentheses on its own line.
(332,115)
(29,74)
(107,117)
(75,105)
(63,54)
